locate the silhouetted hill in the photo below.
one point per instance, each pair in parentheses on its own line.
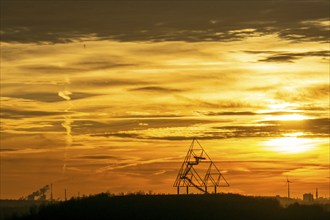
(211,206)
(17,207)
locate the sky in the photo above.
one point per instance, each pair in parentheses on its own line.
(107,95)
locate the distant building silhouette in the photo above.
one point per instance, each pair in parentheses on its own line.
(308,197)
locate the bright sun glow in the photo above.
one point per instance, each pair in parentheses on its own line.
(290,144)
(282,106)
(290,117)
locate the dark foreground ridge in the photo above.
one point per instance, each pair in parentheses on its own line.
(211,206)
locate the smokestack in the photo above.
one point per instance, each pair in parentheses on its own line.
(317,194)
(51,192)
(65,194)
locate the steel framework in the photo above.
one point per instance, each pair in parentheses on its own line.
(199,171)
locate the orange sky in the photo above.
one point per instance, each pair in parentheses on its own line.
(95,109)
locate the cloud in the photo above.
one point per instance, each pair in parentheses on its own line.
(311,128)
(123,127)
(222,103)
(106,82)
(49,69)
(280,58)
(135,116)
(289,56)
(208,135)
(33,140)
(318,126)
(155,89)
(66,21)
(97,157)
(15,114)
(229,113)
(311,92)
(8,150)
(49,96)
(312,107)
(164,137)
(77,67)
(65,95)
(243,113)
(101,64)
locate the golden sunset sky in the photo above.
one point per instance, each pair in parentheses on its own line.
(107,95)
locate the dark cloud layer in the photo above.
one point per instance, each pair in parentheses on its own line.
(74,68)
(312,128)
(155,89)
(219,104)
(242,113)
(229,113)
(17,114)
(107,82)
(117,127)
(279,57)
(49,96)
(318,126)
(63,21)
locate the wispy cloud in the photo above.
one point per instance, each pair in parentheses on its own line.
(15,113)
(290,57)
(155,89)
(47,96)
(311,128)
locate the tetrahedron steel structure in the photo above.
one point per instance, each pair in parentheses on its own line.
(199,171)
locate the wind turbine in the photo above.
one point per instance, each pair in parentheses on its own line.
(288,182)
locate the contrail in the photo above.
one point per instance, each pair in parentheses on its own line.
(65,94)
(68,138)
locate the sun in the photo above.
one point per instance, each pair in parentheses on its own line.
(290,144)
